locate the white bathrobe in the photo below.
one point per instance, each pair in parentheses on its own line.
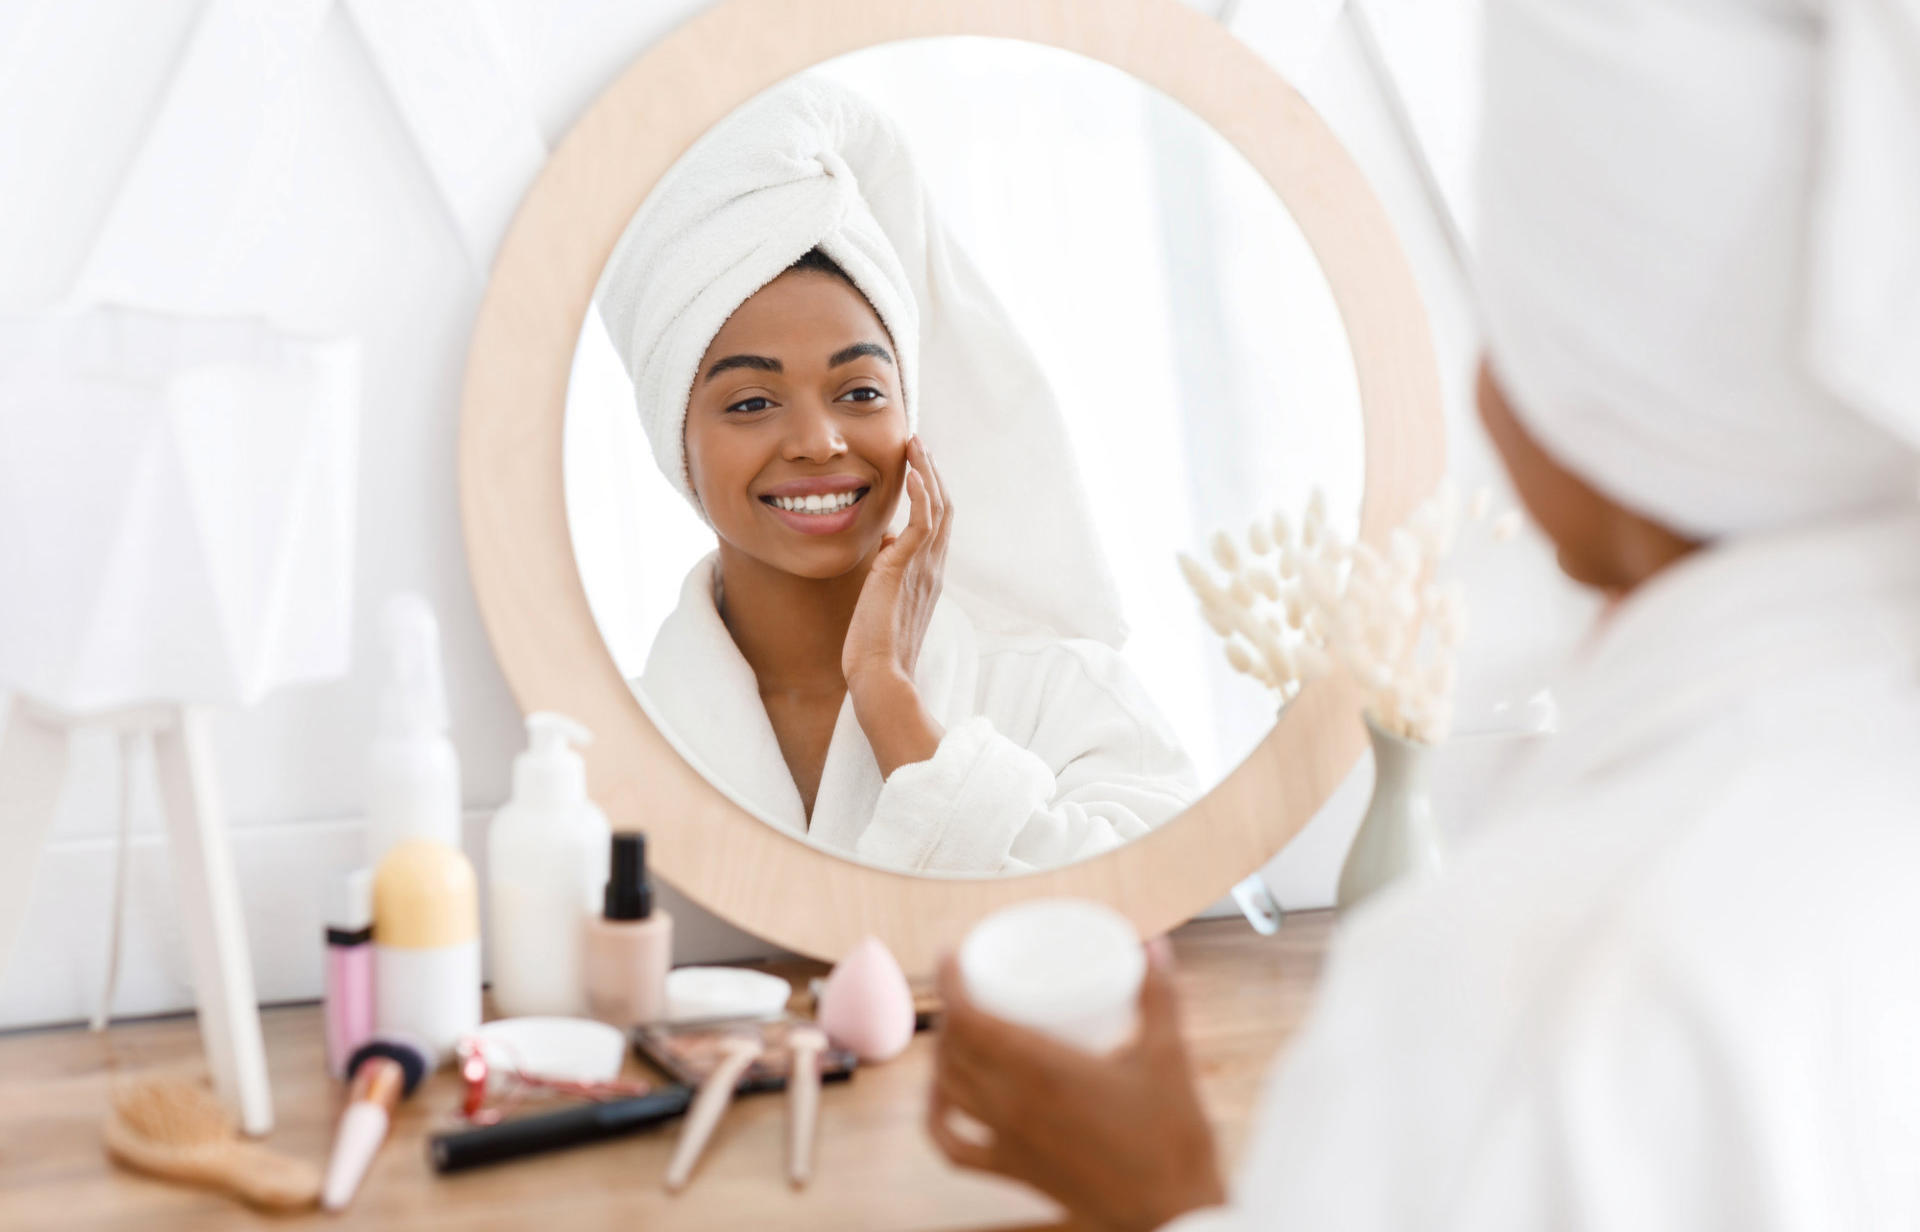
(1052,751)
(1680,989)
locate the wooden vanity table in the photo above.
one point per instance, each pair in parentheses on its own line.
(1243,996)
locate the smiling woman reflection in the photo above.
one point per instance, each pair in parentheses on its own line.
(894,674)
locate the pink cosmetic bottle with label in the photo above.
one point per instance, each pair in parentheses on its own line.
(348,1006)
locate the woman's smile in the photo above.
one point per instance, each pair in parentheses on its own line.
(813,509)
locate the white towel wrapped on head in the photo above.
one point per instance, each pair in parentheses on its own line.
(810,164)
(1700,250)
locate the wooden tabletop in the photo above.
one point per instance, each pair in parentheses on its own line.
(1242,994)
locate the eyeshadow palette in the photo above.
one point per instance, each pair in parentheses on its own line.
(688,1053)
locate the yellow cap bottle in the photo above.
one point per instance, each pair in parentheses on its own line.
(426,955)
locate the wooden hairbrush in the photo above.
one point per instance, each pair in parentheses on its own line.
(171,1128)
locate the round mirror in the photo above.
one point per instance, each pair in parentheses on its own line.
(1161,356)
(1122,286)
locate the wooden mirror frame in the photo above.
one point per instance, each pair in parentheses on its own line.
(513,501)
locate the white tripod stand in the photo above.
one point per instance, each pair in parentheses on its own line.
(33,770)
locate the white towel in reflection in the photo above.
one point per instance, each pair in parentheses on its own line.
(811,164)
(1052,750)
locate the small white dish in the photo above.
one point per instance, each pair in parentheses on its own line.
(697,993)
(568,1049)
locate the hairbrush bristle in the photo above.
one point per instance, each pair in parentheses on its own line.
(173,1111)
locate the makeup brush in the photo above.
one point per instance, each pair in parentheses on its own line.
(383,1071)
(175,1129)
(709,1105)
(803,1101)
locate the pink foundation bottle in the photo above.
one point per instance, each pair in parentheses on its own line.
(629,948)
(348,1008)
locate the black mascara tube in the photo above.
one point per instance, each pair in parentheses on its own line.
(459,1149)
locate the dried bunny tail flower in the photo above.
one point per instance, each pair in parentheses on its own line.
(1318,584)
(1449,611)
(1239,656)
(1403,604)
(1223,551)
(1366,559)
(1257,541)
(1317,509)
(1315,662)
(1284,661)
(1215,618)
(1506,526)
(1240,592)
(1282,531)
(1198,578)
(1263,581)
(1406,551)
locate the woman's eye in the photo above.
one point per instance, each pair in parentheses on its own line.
(866,393)
(747,406)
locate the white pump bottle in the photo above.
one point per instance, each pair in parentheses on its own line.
(546,864)
(413,776)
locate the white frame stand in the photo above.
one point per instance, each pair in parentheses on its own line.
(34,746)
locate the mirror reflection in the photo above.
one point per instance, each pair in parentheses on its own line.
(905,385)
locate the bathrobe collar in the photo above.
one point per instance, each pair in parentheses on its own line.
(702,694)
(1740,619)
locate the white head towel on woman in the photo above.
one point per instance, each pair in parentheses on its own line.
(1700,250)
(811,164)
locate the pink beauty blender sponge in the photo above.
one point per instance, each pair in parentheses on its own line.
(866,1006)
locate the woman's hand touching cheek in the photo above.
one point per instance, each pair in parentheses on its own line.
(890,623)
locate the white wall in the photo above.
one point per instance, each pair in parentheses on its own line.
(360,243)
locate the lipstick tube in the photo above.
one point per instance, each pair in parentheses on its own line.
(348,997)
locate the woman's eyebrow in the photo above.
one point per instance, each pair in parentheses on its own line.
(760,363)
(847,355)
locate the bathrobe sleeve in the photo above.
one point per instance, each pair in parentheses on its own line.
(1626,1015)
(1065,757)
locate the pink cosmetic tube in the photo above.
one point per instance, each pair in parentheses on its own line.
(348,1005)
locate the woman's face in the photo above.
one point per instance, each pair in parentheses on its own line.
(796,430)
(1599,542)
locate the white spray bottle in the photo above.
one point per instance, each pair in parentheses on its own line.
(413,777)
(546,864)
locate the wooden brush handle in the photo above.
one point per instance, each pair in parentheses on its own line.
(268,1179)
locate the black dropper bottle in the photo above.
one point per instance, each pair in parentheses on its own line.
(630,947)
(629,896)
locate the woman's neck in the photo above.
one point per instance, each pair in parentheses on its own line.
(790,629)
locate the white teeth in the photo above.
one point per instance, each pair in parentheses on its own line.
(817,504)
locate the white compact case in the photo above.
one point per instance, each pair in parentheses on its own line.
(546,866)
(1069,967)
